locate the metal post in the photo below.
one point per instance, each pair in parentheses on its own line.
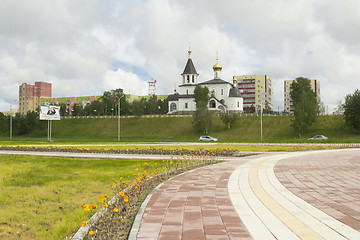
(261,122)
(50,131)
(10,122)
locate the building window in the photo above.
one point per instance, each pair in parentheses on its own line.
(172,107)
(212,104)
(186,105)
(188,79)
(222,91)
(193,79)
(238,104)
(187,92)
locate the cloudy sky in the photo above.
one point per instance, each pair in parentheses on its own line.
(84,47)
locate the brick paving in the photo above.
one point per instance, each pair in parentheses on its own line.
(194,205)
(330,183)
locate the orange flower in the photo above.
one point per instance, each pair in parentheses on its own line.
(105,205)
(115,210)
(91,233)
(100,199)
(84,223)
(122,194)
(105,195)
(121,178)
(86,206)
(94,206)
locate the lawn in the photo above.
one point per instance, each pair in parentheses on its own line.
(42,197)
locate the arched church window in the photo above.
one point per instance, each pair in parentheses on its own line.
(172,107)
(188,79)
(212,104)
(193,79)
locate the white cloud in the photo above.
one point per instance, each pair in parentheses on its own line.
(85,47)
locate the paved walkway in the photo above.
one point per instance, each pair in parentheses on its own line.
(302,195)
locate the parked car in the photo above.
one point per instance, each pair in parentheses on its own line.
(207,138)
(318,137)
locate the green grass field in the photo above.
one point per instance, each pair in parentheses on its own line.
(42,197)
(246,129)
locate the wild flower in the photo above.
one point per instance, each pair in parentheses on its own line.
(84,223)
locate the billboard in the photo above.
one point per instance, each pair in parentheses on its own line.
(49,112)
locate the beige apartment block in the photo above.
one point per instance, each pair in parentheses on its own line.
(30,95)
(256,90)
(288,102)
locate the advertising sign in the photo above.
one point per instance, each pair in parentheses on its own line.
(49,112)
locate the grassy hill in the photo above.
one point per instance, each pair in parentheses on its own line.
(246,129)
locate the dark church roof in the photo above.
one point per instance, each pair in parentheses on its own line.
(215,81)
(173,97)
(234,92)
(189,68)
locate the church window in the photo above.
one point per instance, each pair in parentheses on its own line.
(193,79)
(188,79)
(222,91)
(172,107)
(187,91)
(212,104)
(186,105)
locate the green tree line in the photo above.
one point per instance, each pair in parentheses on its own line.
(108,104)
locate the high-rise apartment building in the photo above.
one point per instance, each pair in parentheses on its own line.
(288,102)
(30,95)
(256,90)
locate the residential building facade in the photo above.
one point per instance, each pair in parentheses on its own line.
(30,95)
(256,90)
(288,102)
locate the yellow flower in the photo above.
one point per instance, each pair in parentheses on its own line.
(86,206)
(126,199)
(105,205)
(122,194)
(91,233)
(100,199)
(84,223)
(115,210)
(136,169)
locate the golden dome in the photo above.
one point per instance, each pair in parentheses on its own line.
(217,66)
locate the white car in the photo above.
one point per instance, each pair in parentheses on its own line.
(318,137)
(207,138)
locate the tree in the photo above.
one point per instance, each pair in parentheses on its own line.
(352,110)
(137,108)
(228,119)
(306,105)
(339,110)
(202,116)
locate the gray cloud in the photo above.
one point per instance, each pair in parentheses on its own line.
(87,47)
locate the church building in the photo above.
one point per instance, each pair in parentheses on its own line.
(225,97)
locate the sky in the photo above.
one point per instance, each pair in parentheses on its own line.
(86,47)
